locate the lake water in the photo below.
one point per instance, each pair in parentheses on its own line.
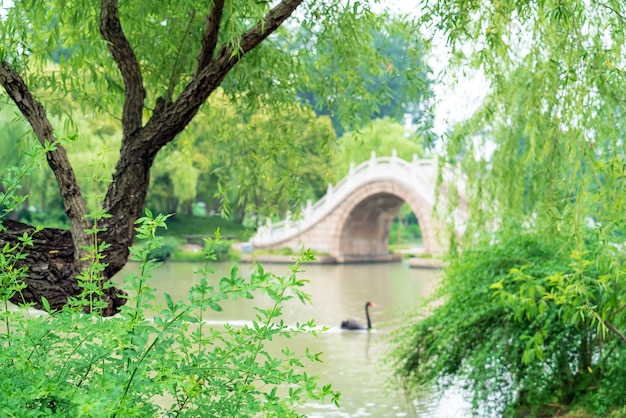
(353,360)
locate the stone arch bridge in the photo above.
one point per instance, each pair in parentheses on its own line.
(353,220)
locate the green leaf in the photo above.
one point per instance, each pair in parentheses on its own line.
(215,306)
(46,304)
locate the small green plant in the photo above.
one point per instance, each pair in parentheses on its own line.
(151,359)
(286,251)
(10,274)
(90,279)
(66,363)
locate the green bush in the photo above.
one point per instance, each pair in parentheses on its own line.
(68,363)
(167,248)
(191,256)
(181,225)
(286,251)
(222,249)
(529,325)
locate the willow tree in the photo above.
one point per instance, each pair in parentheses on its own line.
(534,317)
(243,171)
(154,64)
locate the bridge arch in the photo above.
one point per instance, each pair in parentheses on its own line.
(365,223)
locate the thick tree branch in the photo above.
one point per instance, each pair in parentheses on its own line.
(272,21)
(124,57)
(207,80)
(210,36)
(35,114)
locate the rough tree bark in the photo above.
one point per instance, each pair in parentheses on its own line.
(55,259)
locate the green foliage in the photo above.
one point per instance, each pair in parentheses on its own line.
(169,246)
(91,279)
(181,225)
(404,232)
(68,363)
(382,136)
(548,140)
(525,325)
(398,77)
(53,218)
(285,251)
(73,363)
(545,150)
(10,274)
(223,252)
(183,255)
(262,159)
(95,142)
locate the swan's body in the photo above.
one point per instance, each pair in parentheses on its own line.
(351,324)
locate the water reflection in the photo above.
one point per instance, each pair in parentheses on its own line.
(353,360)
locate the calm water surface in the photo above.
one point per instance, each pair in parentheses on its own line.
(353,360)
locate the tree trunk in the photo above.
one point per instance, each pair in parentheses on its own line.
(50,266)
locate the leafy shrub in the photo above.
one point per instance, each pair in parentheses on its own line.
(286,251)
(408,233)
(165,250)
(223,250)
(55,218)
(527,323)
(68,363)
(181,225)
(192,256)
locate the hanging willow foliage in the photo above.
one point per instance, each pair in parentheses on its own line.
(530,318)
(547,144)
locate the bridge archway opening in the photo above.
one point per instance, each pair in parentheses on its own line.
(366,229)
(406,234)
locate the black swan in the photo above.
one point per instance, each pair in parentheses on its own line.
(351,324)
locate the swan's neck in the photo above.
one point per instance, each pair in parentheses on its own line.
(367,315)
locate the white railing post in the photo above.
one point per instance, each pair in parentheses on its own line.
(372,162)
(329,193)
(268,226)
(309,210)
(415,164)
(287,220)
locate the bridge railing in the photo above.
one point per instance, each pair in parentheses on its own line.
(418,173)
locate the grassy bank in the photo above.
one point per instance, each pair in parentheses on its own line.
(183,226)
